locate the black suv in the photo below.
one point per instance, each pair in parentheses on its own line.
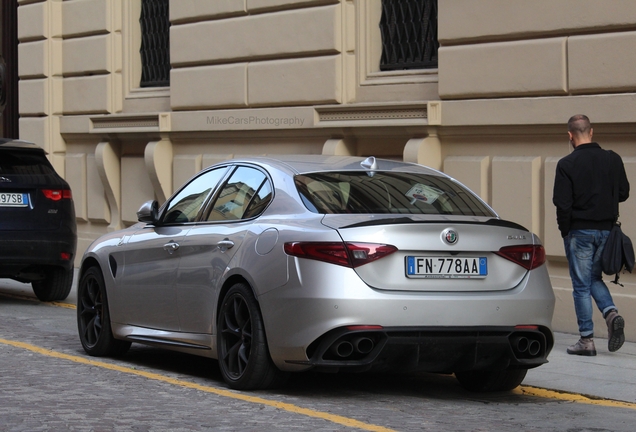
(38,235)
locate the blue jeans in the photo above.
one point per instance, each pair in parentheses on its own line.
(584,248)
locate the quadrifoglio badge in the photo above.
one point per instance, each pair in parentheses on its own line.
(450,236)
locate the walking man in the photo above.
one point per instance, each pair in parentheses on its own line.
(589,184)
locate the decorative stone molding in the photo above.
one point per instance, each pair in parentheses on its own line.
(339,147)
(365,115)
(158,157)
(424,151)
(395,114)
(109,168)
(434,113)
(117,123)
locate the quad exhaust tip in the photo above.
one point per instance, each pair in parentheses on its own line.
(347,348)
(526,347)
(342,349)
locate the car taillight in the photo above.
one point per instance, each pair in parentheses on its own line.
(57,194)
(527,256)
(344,254)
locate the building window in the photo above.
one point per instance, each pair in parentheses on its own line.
(155,43)
(409,34)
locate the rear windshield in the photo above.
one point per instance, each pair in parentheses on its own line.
(387,192)
(19,162)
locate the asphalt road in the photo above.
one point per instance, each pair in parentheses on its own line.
(47,382)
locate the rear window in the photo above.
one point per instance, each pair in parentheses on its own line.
(387,192)
(19,162)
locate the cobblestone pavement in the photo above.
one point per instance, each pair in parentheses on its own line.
(42,390)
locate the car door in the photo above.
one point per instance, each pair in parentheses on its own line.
(151,257)
(210,245)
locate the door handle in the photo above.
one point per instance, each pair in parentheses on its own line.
(171,247)
(225,244)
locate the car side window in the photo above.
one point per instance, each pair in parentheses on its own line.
(186,205)
(241,196)
(259,202)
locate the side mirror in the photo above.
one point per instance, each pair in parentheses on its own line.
(148,212)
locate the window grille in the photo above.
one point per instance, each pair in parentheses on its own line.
(409,34)
(155,43)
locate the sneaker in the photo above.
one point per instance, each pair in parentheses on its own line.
(615,332)
(584,347)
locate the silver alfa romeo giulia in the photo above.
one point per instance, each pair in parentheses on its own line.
(286,264)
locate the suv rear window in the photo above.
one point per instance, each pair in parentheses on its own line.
(18,162)
(387,192)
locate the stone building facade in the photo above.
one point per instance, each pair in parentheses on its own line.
(303,76)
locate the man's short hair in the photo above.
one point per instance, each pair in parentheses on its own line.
(580,124)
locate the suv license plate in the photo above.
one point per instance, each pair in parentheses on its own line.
(446,267)
(14,199)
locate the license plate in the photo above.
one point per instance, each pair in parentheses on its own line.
(447,267)
(8,199)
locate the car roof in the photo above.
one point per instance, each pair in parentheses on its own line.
(301,164)
(19,144)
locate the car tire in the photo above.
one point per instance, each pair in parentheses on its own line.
(491,381)
(93,318)
(55,286)
(244,357)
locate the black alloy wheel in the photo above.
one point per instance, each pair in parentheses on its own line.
(93,319)
(242,348)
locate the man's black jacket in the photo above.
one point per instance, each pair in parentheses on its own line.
(589,184)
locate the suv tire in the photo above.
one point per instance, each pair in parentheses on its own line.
(55,286)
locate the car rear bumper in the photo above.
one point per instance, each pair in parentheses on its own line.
(26,252)
(431,349)
(300,315)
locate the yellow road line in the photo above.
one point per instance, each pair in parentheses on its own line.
(344,421)
(33,299)
(63,305)
(572,397)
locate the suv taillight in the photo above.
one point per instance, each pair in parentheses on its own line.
(344,254)
(57,194)
(527,256)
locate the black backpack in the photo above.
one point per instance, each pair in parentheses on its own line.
(618,253)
